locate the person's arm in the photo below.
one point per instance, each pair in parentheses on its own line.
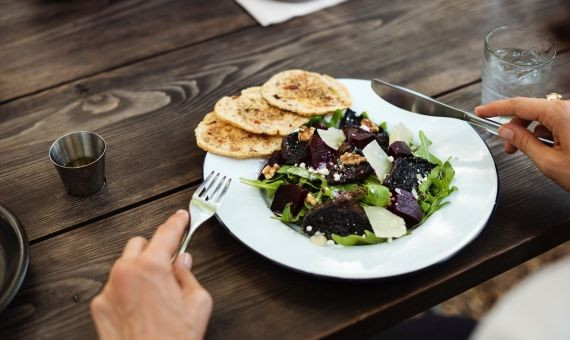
(147,297)
(554,119)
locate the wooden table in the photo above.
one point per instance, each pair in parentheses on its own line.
(143,74)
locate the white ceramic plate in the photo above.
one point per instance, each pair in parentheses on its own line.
(246,215)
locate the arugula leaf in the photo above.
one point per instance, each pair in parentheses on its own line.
(376,194)
(287,216)
(353,240)
(335,119)
(314,120)
(332,122)
(384,125)
(423,151)
(301,172)
(269,185)
(435,189)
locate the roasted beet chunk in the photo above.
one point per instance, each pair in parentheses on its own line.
(293,150)
(320,152)
(406,206)
(383,139)
(350,119)
(357,137)
(289,193)
(404,174)
(275,158)
(342,174)
(342,216)
(399,149)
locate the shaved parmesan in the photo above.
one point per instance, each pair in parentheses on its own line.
(332,137)
(384,223)
(401,133)
(378,159)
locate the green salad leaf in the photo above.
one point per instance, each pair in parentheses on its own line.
(423,152)
(269,185)
(435,189)
(376,194)
(287,216)
(353,240)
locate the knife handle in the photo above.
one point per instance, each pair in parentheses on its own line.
(493,127)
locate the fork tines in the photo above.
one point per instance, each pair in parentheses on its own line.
(203,191)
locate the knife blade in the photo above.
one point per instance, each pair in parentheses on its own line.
(416,102)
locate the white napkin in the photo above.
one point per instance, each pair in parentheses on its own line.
(268,12)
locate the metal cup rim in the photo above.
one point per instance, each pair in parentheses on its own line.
(546,36)
(82,166)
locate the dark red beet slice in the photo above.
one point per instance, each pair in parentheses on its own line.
(320,152)
(399,149)
(406,206)
(293,150)
(342,174)
(358,137)
(383,139)
(289,193)
(350,119)
(342,216)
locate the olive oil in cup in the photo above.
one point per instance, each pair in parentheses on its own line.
(79,158)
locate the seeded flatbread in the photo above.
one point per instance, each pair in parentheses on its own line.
(306,93)
(224,139)
(252,113)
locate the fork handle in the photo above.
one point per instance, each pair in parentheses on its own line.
(186,241)
(493,127)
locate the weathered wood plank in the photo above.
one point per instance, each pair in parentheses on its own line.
(255,298)
(147,111)
(45,43)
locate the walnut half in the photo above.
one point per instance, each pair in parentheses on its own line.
(305,133)
(370,125)
(269,170)
(349,158)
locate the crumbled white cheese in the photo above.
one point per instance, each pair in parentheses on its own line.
(323,170)
(391,159)
(365,128)
(330,243)
(336,176)
(302,165)
(319,239)
(398,191)
(309,228)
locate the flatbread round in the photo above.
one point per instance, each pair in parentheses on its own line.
(306,93)
(224,139)
(252,113)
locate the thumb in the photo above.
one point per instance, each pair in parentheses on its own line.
(182,267)
(524,140)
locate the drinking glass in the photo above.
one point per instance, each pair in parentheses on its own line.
(516,63)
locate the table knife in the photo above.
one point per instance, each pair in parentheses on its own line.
(416,102)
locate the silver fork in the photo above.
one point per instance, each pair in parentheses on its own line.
(204,204)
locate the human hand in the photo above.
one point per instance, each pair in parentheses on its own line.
(554,119)
(147,297)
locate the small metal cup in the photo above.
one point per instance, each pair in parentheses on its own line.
(79,158)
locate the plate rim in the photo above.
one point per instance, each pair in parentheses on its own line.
(16,282)
(384,277)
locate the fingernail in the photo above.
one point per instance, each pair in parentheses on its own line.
(181,211)
(476,109)
(506,133)
(187,260)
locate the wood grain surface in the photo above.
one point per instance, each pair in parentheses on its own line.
(145,89)
(46,43)
(255,298)
(147,111)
